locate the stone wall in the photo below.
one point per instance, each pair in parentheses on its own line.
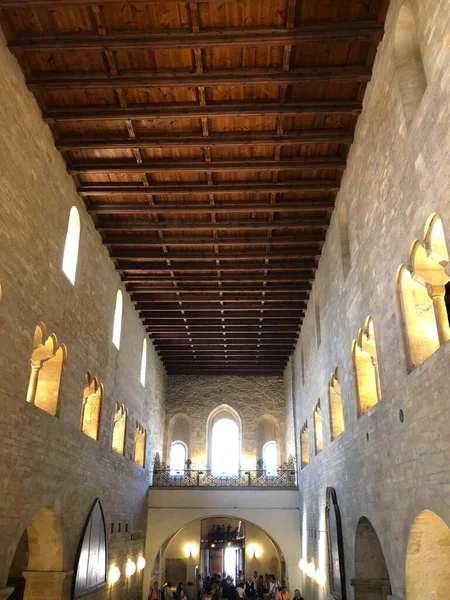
(383,467)
(250,397)
(45,461)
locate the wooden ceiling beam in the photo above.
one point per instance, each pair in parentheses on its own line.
(193,111)
(259,371)
(215,140)
(295,300)
(50,80)
(322,32)
(177,166)
(123,208)
(196,279)
(195,268)
(304,222)
(195,309)
(145,255)
(307,238)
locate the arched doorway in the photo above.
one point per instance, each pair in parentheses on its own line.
(36,570)
(428,558)
(371,580)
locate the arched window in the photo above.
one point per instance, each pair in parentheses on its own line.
(270,458)
(92,406)
(144,362)
(365,368)
(70,258)
(318,428)
(336,411)
(178,457)
(46,366)
(225,455)
(117,327)
(140,439)
(304,445)
(119,428)
(408,60)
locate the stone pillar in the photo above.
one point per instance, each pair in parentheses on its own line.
(44,585)
(5,593)
(437,293)
(32,386)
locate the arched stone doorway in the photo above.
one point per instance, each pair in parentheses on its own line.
(428,558)
(371,580)
(36,570)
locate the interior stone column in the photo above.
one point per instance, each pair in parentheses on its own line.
(44,585)
(437,295)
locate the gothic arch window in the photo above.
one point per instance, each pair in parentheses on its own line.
(139,445)
(178,457)
(117,327)
(365,368)
(318,428)
(408,60)
(178,431)
(336,410)
(304,445)
(119,428)
(92,406)
(144,362)
(46,366)
(224,441)
(70,257)
(270,458)
(268,431)
(423,290)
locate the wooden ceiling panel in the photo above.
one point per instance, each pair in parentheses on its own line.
(208,140)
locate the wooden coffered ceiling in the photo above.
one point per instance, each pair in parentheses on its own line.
(208,140)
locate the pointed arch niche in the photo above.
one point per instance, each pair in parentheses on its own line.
(304,445)
(422,289)
(139,444)
(365,368)
(371,573)
(336,410)
(46,367)
(268,431)
(224,440)
(178,431)
(408,61)
(119,428)
(318,428)
(92,406)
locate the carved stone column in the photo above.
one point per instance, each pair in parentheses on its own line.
(44,585)
(437,294)
(32,386)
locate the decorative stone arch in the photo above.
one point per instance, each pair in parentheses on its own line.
(222,411)
(408,61)
(268,429)
(371,573)
(91,406)
(179,429)
(365,368)
(41,540)
(337,423)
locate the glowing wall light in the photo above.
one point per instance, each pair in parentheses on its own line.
(303,564)
(311,569)
(190,549)
(320,577)
(130,568)
(254,550)
(113,575)
(141,562)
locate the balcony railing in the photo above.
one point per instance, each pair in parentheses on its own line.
(284,477)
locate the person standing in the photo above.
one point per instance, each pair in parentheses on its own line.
(283,594)
(167,591)
(155,593)
(298,595)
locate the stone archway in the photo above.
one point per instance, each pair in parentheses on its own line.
(428,558)
(36,572)
(371,580)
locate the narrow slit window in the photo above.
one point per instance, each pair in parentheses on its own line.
(70,257)
(117,328)
(144,362)
(318,428)
(304,445)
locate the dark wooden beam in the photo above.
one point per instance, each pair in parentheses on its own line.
(217,77)
(329,32)
(258,371)
(145,255)
(190,318)
(187,140)
(177,166)
(188,306)
(304,222)
(307,238)
(196,268)
(217,307)
(124,208)
(196,279)
(193,111)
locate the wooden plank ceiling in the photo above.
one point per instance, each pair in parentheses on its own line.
(208,140)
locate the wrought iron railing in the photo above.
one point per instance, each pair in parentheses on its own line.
(284,476)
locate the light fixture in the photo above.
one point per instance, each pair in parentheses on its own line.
(130,568)
(302,564)
(320,577)
(190,550)
(113,575)
(141,562)
(254,550)
(311,569)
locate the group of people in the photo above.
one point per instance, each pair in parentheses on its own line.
(166,592)
(256,587)
(220,533)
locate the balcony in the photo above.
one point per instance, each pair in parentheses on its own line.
(283,477)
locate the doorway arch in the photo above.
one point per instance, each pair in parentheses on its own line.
(36,570)
(428,558)
(371,580)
